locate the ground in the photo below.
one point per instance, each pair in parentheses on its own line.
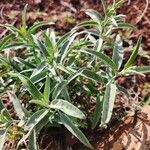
(132,131)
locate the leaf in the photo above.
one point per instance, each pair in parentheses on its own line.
(67,108)
(47,89)
(86,24)
(5,111)
(64,50)
(92,75)
(141,69)
(5,40)
(104,58)
(22,61)
(108,104)
(134,54)
(136,70)
(123,90)
(21,113)
(60,86)
(29,85)
(35,119)
(43,49)
(97,47)
(49,44)
(3,133)
(44,121)
(24,17)
(74,130)
(17,46)
(39,69)
(39,102)
(97,111)
(40,76)
(10,28)
(118,52)
(124,26)
(95,16)
(63,39)
(32,140)
(35,26)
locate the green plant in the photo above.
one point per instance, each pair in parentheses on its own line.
(52,69)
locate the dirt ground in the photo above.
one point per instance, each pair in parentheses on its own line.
(133,131)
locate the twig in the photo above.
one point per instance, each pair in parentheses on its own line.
(69,6)
(142,15)
(145,17)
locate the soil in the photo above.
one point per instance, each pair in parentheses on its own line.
(130,132)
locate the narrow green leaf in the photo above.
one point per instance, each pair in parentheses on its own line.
(118,52)
(24,17)
(49,44)
(44,121)
(5,111)
(17,46)
(97,111)
(39,102)
(3,133)
(22,61)
(47,89)
(134,54)
(10,28)
(35,119)
(32,140)
(95,16)
(64,50)
(67,108)
(108,104)
(141,69)
(60,86)
(124,25)
(43,49)
(39,69)
(123,90)
(40,76)
(5,40)
(104,58)
(62,39)
(35,26)
(29,85)
(92,75)
(87,24)
(21,113)
(74,130)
